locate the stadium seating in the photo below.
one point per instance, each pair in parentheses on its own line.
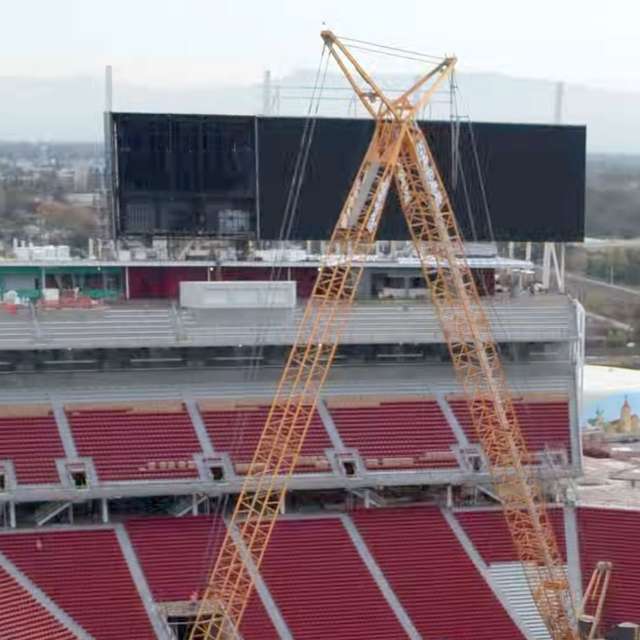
(85,574)
(397,435)
(127,445)
(488,531)
(612,534)
(312,570)
(22,617)
(16,327)
(236,431)
(175,555)
(543,423)
(110,326)
(432,576)
(321,585)
(32,443)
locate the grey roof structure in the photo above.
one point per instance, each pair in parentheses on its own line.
(134,325)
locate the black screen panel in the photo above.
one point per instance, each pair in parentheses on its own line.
(184,175)
(506,182)
(231,175)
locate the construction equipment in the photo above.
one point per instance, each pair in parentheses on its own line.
(596,593)
(398,151)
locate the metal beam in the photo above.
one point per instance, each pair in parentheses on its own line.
(64,429)
(199,427)
(299,482)
(452,421)
(572,544)
(380,579)
(261,588)
(159,624)
(483,570)
(330,426)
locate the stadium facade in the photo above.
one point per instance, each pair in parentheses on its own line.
(128,419)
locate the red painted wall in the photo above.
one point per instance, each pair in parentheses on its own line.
(164,282)
(612,534)
(161,282)
(485,280)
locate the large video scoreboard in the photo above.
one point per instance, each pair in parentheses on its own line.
(229,176)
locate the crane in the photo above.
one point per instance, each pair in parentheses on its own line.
(398,152)
(596,593)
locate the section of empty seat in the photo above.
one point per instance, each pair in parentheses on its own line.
(136,444)
(32,443)
(16,330)
(236,430)
(85,574)
(321,585)
(396,435)
(432,575)
(176,555)
(544,423)
(121,325)
(612,534)
(22,617)
(488,531)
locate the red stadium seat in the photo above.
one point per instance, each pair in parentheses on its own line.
(543,424)
(432,576)
(398,435)
(490,535)
(237,431)
(22,617)
(32,444)
(612,534)
(136,446)
(85,574)
(175,556)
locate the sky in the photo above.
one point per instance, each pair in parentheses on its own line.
(182,43)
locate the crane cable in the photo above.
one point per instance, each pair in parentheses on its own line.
(288,221)
(554,476)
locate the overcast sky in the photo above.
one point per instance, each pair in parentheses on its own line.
(190,42)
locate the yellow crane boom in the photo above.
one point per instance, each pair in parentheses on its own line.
(476,362)
(398,151)
(298,391)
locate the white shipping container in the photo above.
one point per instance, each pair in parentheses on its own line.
(238,295)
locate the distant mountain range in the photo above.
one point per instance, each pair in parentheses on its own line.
(70,109)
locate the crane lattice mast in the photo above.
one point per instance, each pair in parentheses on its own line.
(398,152)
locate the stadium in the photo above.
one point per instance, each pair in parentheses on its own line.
(137,386)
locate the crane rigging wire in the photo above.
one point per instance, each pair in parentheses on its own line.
(476,361)
(389,54)
(391,48)
(515,381)
(477,170)
(287,224)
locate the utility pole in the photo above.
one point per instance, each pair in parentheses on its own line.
(109,219)
(559,103)
(550,251)
(266,93)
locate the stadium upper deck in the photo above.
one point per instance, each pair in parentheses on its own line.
(105,448)
(164,325)
(189,434)
(390,416)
